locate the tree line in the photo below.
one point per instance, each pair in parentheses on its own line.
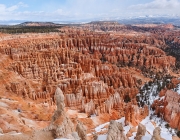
(28,29)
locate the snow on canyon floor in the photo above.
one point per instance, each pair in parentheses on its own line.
(149,124)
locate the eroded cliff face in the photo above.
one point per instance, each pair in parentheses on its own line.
(75,62)
(167,106)
(100,73)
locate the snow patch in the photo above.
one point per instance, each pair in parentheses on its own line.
(178,89)
(133,137)
(16,133)
(102,137)
(146,137)
(100,127)
(149,126)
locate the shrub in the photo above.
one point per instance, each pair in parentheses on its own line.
(167,126)
(178,133)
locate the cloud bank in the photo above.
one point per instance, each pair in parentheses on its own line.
(158,4)
(68,10)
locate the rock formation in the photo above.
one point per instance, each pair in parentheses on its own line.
(168,107)
(60,125)
(90,88)
(133,113)
(156,134)
(140,132)
(89,66)
(99,68)
(81,130)
(115,131)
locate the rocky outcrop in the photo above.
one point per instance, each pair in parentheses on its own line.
(140,132)
(172,110)
(81,130)
(115,131)
(61,125)
(133,113)
(168,107)
(156,134)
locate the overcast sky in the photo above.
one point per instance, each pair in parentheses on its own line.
(67,10)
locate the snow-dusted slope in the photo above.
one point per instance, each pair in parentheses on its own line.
(150,126)
(149,92)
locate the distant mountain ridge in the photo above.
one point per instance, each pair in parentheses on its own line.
(129,20)
(38,24)
(151,20)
